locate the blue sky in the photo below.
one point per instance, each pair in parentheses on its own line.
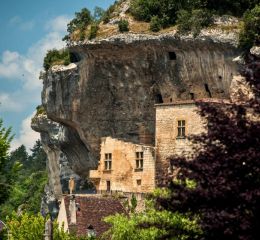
(28,29)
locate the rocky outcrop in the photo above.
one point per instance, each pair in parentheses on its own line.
(54,137)
(112,90)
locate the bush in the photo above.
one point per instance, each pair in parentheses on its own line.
(150,225)
(93,31)
(55,57)
(31,227)
(80,22)
(123,25)
(250,33)
(166,10)
(145,9)
(40,110)
(155,24)
(193,21)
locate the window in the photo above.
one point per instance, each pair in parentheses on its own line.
(138,182)
(108,161)
(181,129)
(172,56)
(139,160)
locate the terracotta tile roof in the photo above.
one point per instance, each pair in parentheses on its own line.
(93,208)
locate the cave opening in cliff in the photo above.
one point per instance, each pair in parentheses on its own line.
(158,98)
(172,56)
(74,57)
(192,97)
(207,90)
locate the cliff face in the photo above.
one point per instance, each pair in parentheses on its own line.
(112,89)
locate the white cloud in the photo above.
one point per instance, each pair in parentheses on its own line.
(58,24)
(24,69)
(22,25)
(27,136)
(9,104)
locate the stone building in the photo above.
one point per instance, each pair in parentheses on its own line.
(175,121)
(124,166)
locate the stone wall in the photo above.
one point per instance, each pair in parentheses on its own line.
(124,176)
(166,140)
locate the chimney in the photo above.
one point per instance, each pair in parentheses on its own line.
(145,137)
(73,210)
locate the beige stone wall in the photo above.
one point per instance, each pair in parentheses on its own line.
(167,143)
(123,176)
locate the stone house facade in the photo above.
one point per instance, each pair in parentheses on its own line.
(124,167)
(137,168)
(175,121)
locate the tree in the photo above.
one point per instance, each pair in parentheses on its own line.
(152,224)
(123,25)
(30,176)
(5,139)
(250,33)
(31,227)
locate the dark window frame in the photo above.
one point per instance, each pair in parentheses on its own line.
(139,160)
(181,129)
(108,161)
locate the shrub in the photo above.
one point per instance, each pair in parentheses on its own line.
(150,225)
(123,25)
(31,227)
(145,9)
(250,33)
(40,110)
(108,14)
(155,24)
(55,57)
(93,31)
(82,19)
(80,22)
(193,21)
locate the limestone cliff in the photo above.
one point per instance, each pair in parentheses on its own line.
(112,89)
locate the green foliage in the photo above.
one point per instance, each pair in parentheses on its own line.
(153,223)
(144,10)
(150,225)
(192,15)
(93,31)
(56,57)
(161,192)
(133,203)
(81,21)
(40,110)
(123,25)
(193,21)
(31,227)
(98,13)
(109,13)
(5,139)
(250,33)
(27,175)
(155,24)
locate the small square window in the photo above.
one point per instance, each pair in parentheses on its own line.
(181,129)
(172,56)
